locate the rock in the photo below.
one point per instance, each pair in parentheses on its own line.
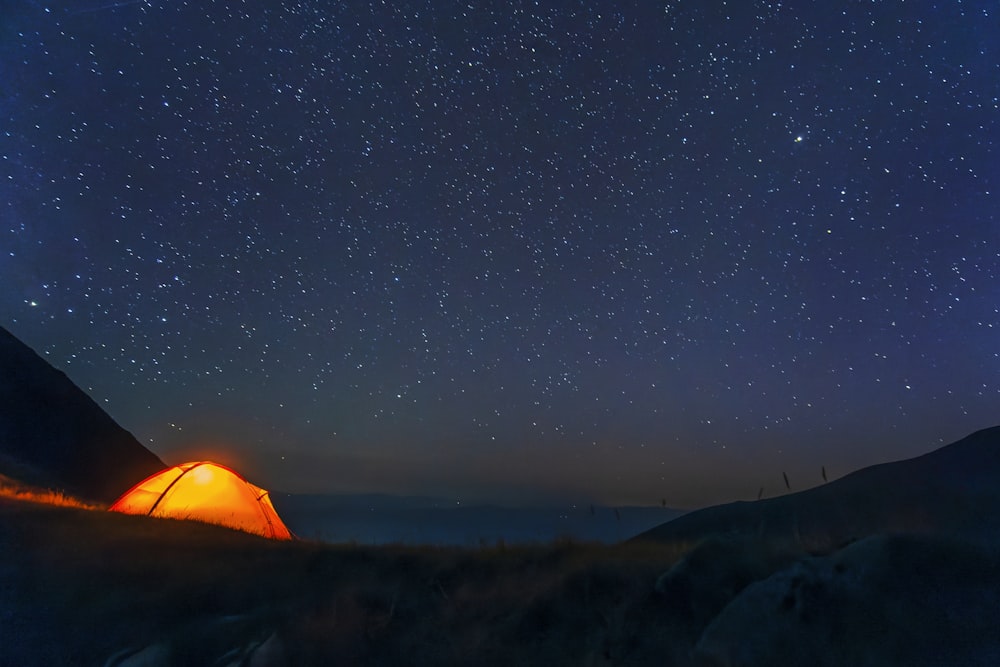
(155,655)
(270,653)
(716,571)
(881,601)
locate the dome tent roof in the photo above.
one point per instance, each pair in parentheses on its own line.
(207,492)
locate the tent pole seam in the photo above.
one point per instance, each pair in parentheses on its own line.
(170,486)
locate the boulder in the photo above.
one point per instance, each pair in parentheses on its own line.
(885,600)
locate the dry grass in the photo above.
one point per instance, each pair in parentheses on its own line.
(14,490)
(79,586)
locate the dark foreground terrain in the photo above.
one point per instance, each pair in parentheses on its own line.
(84,587)
(79,586)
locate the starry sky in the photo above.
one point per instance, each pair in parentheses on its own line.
(511,251)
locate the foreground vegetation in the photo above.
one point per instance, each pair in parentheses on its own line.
(86,587)
(78,586)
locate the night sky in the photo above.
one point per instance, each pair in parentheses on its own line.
(511,251)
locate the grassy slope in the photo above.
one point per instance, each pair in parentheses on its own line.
(954,490)
(76,586)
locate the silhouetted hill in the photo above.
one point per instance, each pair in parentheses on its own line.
(53,434)
(952,491)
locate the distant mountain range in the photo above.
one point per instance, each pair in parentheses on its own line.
(384,519)
(953,491)
(52,434)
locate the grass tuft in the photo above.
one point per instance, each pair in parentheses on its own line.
(13,490)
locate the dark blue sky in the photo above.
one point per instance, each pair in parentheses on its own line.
(511,250)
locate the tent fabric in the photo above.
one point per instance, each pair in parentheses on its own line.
(208,492)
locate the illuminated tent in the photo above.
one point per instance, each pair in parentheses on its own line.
(208,492)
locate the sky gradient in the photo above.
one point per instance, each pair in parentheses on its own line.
(511,251)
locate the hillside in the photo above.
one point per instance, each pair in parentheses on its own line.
(192,593)
(952,491)
(53,434)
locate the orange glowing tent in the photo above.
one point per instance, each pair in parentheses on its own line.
(208,492)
